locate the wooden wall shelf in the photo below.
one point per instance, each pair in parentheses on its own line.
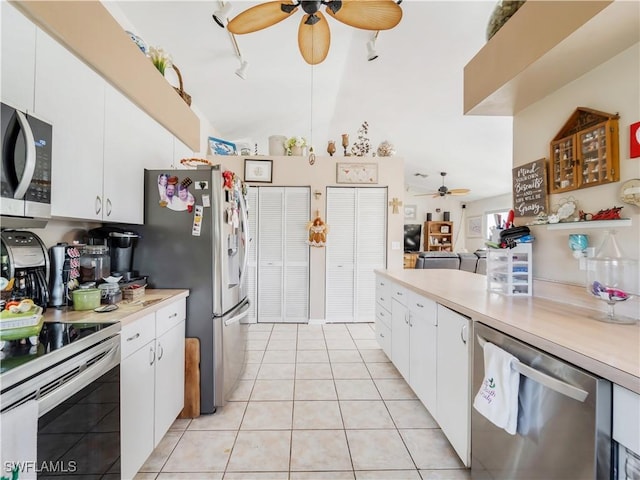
(544,46)
(88,30)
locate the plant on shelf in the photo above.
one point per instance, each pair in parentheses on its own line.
(362,145)
(160,59)
(295,144)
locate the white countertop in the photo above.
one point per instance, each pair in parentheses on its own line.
(128,311)
(566,331)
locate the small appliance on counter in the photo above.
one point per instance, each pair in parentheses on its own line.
(120,243)
(65,272)
(26,263)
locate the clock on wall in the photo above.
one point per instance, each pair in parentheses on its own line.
(634,140)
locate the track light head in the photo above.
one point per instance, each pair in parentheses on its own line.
(242,71)
(221,15)
(371,50)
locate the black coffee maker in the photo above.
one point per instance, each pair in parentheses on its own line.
(121,244)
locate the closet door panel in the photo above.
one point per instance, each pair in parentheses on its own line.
(296,270)
(252,262)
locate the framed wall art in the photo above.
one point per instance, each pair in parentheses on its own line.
(357,173)
(410,212)
(474,227)
(258,171)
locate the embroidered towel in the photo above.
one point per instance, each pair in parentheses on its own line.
(497,398)
(19,440)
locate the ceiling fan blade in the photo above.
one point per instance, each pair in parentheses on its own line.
(259,17)
(458,191)
(314,39)
(368,14)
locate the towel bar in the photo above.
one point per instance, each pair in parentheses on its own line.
(546,380)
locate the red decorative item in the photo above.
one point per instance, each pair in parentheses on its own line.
(228,179)
(190,208)
(608,214)
(634,140)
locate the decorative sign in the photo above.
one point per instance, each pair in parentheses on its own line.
(530,189)
(357,173)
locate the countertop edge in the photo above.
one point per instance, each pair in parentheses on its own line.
(595,366)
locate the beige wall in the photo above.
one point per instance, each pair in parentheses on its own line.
(296,171)
(611,87)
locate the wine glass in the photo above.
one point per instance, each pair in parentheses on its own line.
(612,278)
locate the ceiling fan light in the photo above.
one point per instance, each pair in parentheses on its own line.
(371,50)
(220,16)
(242,71)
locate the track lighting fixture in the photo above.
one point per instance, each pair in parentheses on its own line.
(221,14)
(242,71)
(371,47)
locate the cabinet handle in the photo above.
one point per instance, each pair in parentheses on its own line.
(98,204)
(152,356)
(382,299)
(382,314)
(108,207)
(399,294)
(406,318)
(160,351)
(173,315)
(419,305)
(463,334)
(382,335)
(137,335)
(410,323)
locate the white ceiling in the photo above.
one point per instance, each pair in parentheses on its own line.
(411,95)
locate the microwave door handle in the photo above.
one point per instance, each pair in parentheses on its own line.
(30,163)
(247,236)
(545,380)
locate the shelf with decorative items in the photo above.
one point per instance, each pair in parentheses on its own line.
(438,236)
(585,152)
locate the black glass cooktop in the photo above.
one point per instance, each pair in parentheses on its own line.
(53,336)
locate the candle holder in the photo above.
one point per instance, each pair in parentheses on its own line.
(345,143)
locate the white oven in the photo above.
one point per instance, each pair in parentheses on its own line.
(626,434)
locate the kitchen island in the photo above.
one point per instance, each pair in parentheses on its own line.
(566,331)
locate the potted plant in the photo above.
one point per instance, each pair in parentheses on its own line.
(295,145)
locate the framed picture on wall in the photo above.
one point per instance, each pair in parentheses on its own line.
(357,173)
(474,227)
(410,212)
(258,171)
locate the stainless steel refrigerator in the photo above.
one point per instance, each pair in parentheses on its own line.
(195,236)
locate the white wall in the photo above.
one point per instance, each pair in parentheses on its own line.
(613,88)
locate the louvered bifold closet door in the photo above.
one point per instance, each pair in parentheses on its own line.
(270,254)
(340,255)
(296,255)
(371,248)
(252,264)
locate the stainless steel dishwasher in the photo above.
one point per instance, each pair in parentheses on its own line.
(564,419)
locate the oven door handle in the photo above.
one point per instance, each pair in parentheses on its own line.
(545,380)
(84,378)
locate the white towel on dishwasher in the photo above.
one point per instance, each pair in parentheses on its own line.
(497,398)
(19,443)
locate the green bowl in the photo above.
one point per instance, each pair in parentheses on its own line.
(86,298)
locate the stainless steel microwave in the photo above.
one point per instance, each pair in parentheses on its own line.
(26,165)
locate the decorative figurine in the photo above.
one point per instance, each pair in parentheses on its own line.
(331,148)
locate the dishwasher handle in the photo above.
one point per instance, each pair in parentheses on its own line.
(546,380)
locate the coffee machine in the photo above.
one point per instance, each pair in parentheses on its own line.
(25,260)
(121,244)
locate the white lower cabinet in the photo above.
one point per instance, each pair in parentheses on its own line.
(383,314)
(453,380)
(423,338)
(400,337)
(151,382)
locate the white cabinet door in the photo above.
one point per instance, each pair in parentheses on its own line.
(18,37)
(453,380)
(270,254)
(169,379)
(137,380)
(423,323)
(132,141)
(296,255)
(70,96)
(400,338)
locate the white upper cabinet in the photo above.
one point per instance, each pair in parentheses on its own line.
(133,141)
(70,96)
(18,36)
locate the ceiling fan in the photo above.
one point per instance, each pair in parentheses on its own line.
(444,191)
(314,37)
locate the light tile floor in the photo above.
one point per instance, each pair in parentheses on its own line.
(315,402)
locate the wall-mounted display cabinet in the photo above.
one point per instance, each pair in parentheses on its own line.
(585,152)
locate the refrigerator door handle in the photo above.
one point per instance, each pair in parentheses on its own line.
(547,380)
(30,163)
(247,236)
(236,318)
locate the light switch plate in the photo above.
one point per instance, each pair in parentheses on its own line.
(395,245)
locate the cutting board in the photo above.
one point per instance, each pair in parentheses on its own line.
(191,379)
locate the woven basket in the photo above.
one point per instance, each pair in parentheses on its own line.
(185,96)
